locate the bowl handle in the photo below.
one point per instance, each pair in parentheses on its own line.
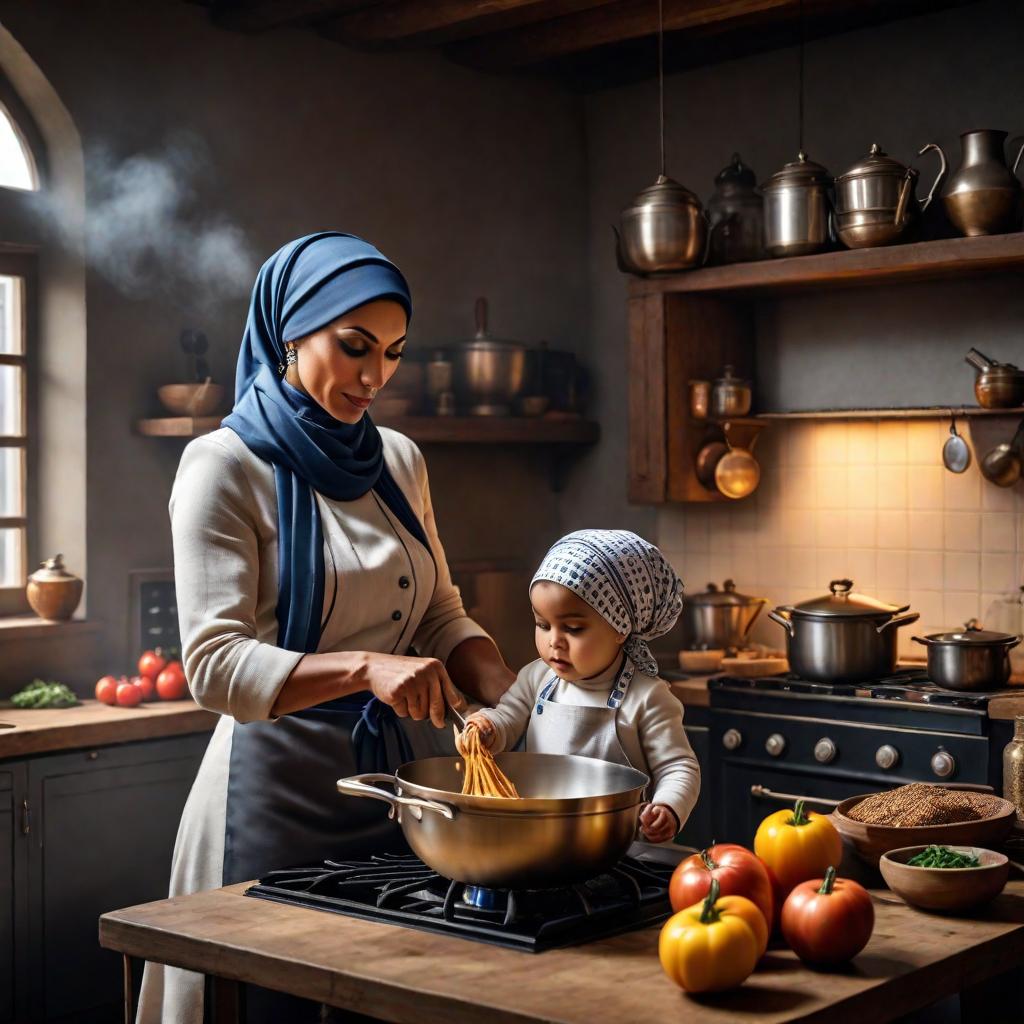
(358,785)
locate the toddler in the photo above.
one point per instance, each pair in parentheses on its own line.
(598,597)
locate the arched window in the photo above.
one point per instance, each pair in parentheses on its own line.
(17,167)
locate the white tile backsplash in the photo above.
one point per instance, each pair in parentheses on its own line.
(864,499)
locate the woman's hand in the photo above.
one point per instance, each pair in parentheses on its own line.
(483,725)
(658,823)
(413,687)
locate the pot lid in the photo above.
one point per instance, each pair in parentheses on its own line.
(972,635)
(728,377)
(52,571)
(1001,370)
(736,174)
(722,598)
(876,162)
(665,192)
(800,172)
(842,602)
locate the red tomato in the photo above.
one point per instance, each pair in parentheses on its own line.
(146,685)
(738,871)
(128,695)
(152,663)
(106,690)
(828,920)
(170,684)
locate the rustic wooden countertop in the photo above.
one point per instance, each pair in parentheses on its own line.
(691,692)
(411,977)
(92,724)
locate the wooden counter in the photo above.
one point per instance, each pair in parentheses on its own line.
(396,974)
(92,724)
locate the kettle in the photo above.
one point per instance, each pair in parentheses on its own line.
(720,619)
(875,201)
(663,229)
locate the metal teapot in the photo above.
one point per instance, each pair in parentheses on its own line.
(796,209)
(663,229)
(735,216)
(875,201)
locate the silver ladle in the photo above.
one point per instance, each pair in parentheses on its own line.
(956,452)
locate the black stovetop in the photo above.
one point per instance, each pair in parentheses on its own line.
(400,889)
(910,685)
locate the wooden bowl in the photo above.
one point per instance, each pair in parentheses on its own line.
(871,841)
(190,399)
(945,888)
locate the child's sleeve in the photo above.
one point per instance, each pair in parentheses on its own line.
(674,768)
(512,713)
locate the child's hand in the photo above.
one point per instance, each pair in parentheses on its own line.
(658,823)
(479,721)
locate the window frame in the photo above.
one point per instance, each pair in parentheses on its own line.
(22,264)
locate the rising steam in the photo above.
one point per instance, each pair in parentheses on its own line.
(147,232)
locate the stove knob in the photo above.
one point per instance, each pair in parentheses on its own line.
(775,744)
(887,756)
(825,751)
(731,739)
(943,764)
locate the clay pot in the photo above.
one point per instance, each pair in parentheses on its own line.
(52,591)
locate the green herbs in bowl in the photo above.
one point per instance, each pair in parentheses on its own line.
(945,878)
(41,694)
(943,857)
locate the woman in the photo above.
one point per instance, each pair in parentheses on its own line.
(307,564)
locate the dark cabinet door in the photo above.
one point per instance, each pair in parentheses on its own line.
(697,830)
(13,893)
(103,828)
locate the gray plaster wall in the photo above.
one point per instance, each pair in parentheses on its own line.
(923,79)
(472,184)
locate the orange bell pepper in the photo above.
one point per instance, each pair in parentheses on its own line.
(797,845)
(714,944)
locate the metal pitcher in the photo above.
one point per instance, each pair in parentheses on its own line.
(983,197)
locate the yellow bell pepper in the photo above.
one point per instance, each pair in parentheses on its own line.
(797,845)
(714,944)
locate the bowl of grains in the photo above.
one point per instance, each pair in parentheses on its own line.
(945,878)
(922,815)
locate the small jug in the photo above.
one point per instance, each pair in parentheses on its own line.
(52,591)
(983,197)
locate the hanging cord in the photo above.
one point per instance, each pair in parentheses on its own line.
(661,83)
(801,85)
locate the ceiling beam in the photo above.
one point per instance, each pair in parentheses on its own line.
(613,23)
(262,15)
(429,22)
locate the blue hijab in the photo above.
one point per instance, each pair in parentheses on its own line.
(303,287)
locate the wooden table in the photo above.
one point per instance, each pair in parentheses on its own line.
(396,974)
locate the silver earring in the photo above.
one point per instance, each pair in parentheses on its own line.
(291,357)
(373,392)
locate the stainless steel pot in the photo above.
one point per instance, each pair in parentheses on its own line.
(796,209)
(842,637)
(875,201)
(719,619)
(488,371)
(972,659)
(576,818)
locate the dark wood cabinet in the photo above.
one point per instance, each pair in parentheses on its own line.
(697,830)
(82,833)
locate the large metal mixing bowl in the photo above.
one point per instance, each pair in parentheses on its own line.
(489,374)
(576,818)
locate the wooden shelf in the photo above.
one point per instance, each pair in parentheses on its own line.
(932,412)
(426,429)
(897,264)
(177,426)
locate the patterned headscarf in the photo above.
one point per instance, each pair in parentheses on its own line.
(624,579)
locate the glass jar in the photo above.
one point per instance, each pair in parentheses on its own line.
(1013,769)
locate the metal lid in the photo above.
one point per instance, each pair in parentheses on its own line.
(968,637)
(1001,370)
(52,571)
(736,174)
(876,162)
(721,598)
(665,192)
(728,377)
(842,602)
(799,173)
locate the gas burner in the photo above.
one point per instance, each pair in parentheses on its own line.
(401,889)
